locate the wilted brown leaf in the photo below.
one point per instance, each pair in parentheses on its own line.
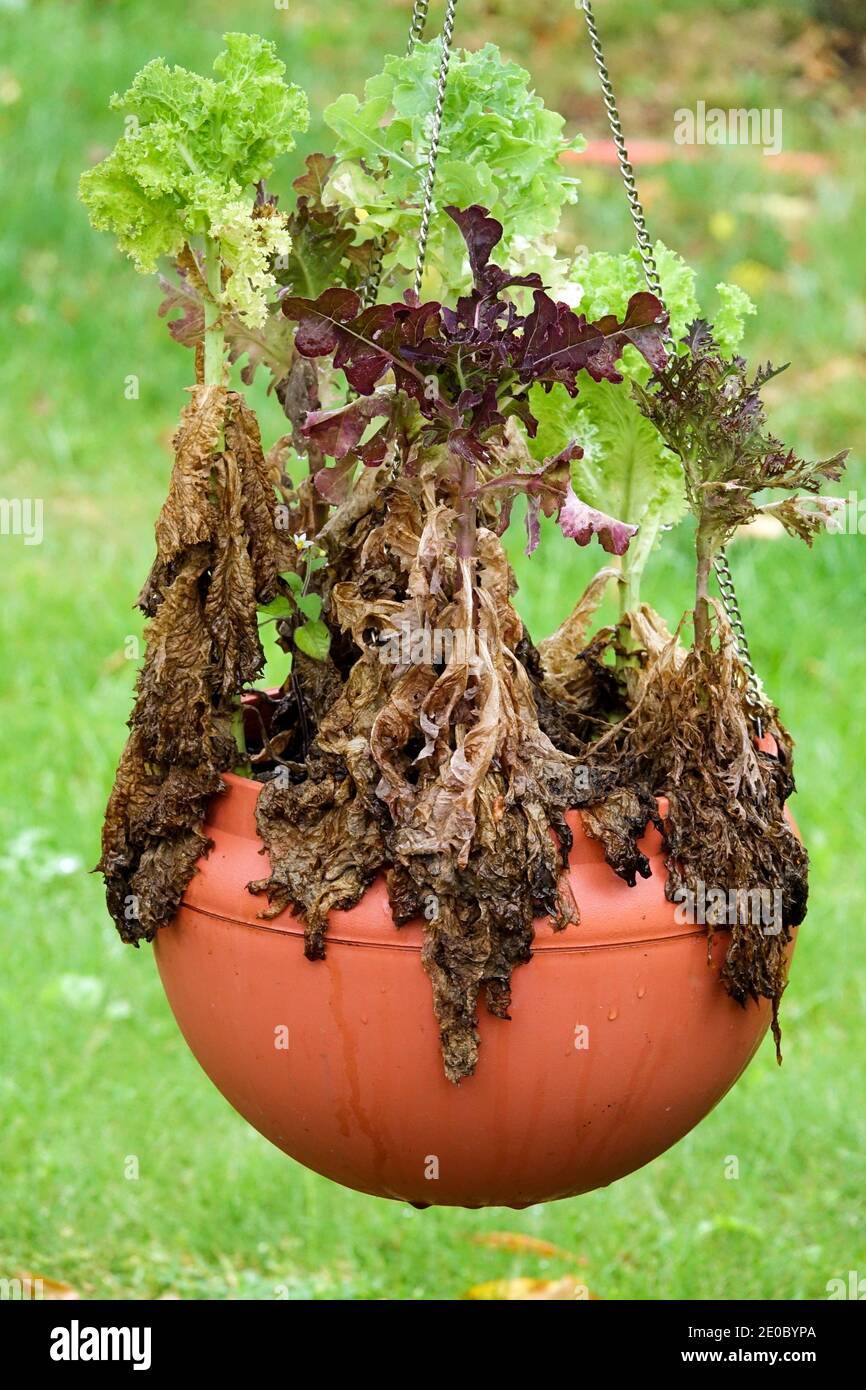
(216,558)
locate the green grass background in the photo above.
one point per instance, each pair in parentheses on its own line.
(92,1068)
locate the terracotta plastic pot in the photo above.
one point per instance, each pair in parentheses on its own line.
(621,1039)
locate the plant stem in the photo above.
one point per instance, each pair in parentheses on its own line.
(243,767)
(214,375)
(629,589)
(214,338)
(704,552)
(467,516)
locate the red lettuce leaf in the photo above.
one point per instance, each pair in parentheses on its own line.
(558,343)
(580,523)
(337,432)
(469,370)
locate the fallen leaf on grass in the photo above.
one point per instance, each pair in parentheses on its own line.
(531,1290)
(516,1241)
(40,1286)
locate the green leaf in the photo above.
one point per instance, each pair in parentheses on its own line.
(626,471)
(280,607)
(729,323)
(145,223)
(607,282)
(294,581)
(184,167)
(310,605)
(314,640)
(501,148)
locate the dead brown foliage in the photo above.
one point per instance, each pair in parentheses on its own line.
(436,743)
(217,556)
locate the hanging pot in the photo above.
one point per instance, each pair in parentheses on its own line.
(621,1039)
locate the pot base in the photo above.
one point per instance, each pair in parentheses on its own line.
(621,1039)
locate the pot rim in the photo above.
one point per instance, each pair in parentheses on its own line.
(409,937)
(249,787)
(631,917)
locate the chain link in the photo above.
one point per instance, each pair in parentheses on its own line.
(416,33)
(416,25)
(731,605)
(724,577)
(374,275)
(644,244)
(435,135)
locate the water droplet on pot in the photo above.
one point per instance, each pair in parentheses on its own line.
(641,990)
(612,1013)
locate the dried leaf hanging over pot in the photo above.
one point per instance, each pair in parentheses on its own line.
(218,557)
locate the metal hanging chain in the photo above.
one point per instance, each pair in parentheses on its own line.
(724,577)
(644,245)
(730,603)
(416,34)
(435,135)
(416,31)
(416,24)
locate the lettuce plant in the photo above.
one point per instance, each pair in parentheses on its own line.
(468,371)
(501,147)
(181,177)
(626,466)
(709,411)
(420,732)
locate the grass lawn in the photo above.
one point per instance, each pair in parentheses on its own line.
(93,1072)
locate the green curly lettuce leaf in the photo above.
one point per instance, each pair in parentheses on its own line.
(626,466)
(609,280)
(184,168)
(730,317)
(626,469)
(500,148)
